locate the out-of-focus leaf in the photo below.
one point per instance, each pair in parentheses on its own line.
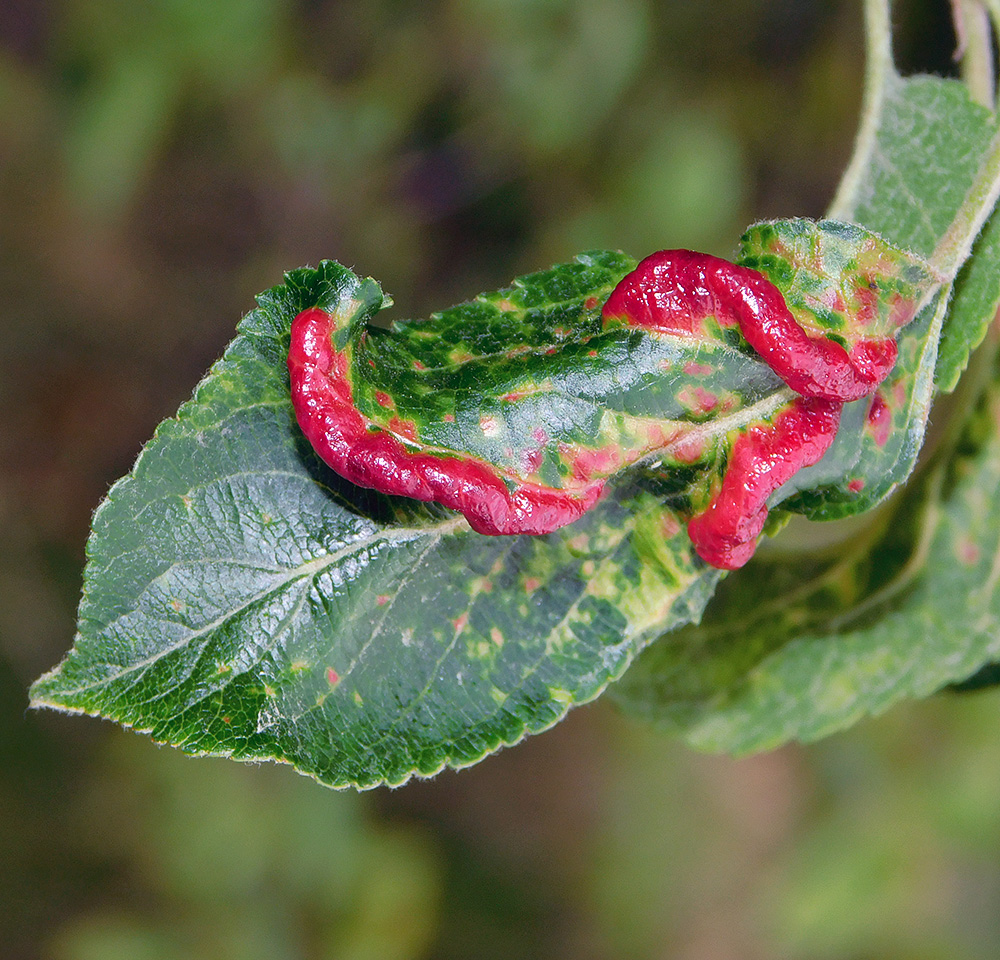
(562,67)
(812,652)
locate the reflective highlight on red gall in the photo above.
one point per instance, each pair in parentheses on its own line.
(672,292)
(324,408)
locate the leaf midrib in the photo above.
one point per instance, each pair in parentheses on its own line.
(310,569)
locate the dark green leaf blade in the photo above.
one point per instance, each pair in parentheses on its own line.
(240,599)
(972,309)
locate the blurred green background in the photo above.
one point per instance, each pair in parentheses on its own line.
(163,160)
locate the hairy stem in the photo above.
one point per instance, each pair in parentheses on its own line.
(954,248)
(975,50)
(879,71)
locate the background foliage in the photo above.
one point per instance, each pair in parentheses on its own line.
(158,163)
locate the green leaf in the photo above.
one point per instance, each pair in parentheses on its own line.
(973,307)
(241,599)
(824,643)
(843,282)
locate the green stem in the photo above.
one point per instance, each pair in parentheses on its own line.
(993,9)
(954,248)
(972,25)
(879,72)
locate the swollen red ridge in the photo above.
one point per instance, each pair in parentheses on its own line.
(340,434)
(763,458)
(672,292)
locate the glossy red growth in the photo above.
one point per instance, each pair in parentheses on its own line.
(674,290)
(763,458)
(321,396)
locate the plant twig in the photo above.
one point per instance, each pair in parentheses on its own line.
(879,71)
(954,247)
(975,49)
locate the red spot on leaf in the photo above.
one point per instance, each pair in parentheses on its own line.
(331,677)
(590,303)
(586,463)
(417,365)
(879,423)
(901,311)
(591,353)
(531,460)
(832,299)
(697,399)
(449,418)
(856,485)
(694,369)
(403,428)
(383,399)
(382,599)
(669,526)
(531,584)
(967,552)
(899,394)
(689,450)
